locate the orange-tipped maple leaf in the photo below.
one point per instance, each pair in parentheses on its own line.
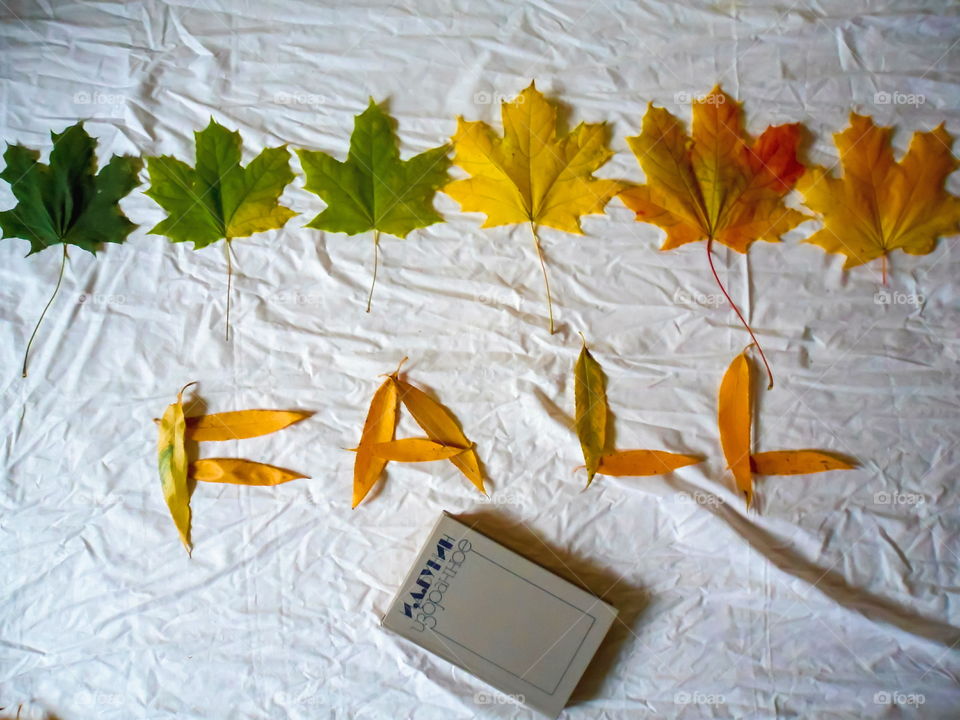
(715,185)
(880,204)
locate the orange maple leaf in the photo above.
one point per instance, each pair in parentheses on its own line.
(715,185)
(879,204)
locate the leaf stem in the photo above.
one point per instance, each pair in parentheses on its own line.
(756,342)
(26,354)
(543,267)
(376,256)
(883,268)
(227,248)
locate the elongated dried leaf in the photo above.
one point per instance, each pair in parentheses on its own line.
(240,472)
(591,409)
(172,464)
(734,419)
(415,450)
(441,427)
(378,428)
(240,424)
(796,462)
(639,463)
(880,204)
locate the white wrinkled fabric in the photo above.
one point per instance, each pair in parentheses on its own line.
(836,599)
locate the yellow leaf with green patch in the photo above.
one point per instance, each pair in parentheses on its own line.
(172,464)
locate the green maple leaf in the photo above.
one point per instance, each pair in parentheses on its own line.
(219,199)
(374,189)
(66,202)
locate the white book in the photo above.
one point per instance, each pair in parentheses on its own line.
(525,631)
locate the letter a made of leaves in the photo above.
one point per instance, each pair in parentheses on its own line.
(374,189)
(219,199)
(66,202)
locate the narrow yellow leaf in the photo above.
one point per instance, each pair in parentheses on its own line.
(378,428)
(441,427)
(796,462)
(240,472)
(734,418)
(415,450)
(240,425)
(639,463)
(591,409)
(172,464)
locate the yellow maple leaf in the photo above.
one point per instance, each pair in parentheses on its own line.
(715,185)
(532,174)
(879,204)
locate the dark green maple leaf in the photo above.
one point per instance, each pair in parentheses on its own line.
(374,189)
(66,202)
(219,199)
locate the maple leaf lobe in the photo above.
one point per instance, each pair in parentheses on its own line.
(880,204)
(219,198)
(67,201)
(714,183)
(531,173)
(373,189)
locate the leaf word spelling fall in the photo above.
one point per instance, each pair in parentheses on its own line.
(445,440)
(531,174)
(66,202)
(219,199)
(716,185)
(590,398)
(881,205)
(374,189)
(735,418)
(175,473)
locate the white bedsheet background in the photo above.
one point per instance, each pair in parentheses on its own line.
(839,594)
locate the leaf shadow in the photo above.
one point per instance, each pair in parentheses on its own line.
(630,601)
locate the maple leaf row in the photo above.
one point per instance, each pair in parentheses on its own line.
(715,184)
